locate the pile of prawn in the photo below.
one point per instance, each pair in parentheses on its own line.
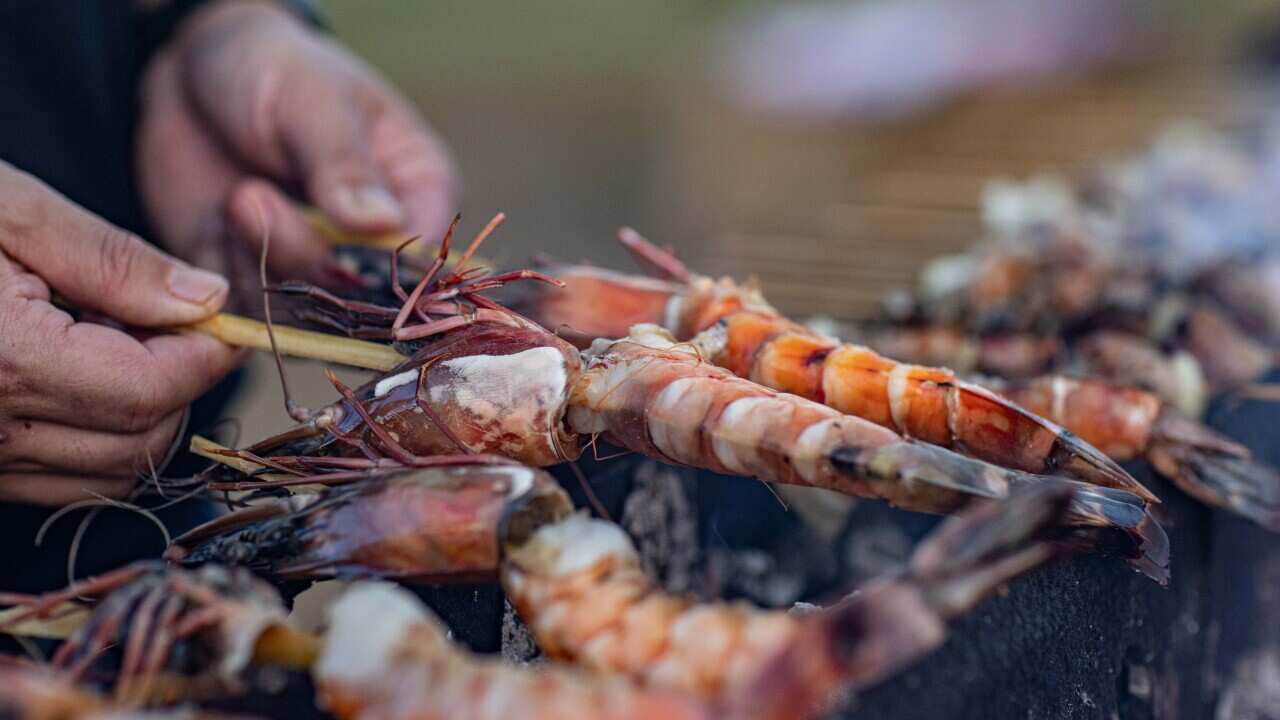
(160,636)
(428,474)
(1044,400)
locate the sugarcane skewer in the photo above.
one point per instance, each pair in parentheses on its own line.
(244,332)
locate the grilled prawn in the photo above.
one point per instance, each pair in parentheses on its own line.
(733,327)
(387,658)
(1127,423)
(418,525)
(580,588)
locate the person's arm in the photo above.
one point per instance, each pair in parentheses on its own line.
(85,408)
(249,111)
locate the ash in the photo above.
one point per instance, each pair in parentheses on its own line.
(663,523)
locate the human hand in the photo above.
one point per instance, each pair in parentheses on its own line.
(84,406)
(247,104)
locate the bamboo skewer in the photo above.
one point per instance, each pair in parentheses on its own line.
(58,626)
(294,342)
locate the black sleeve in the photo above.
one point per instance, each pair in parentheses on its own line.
(158,21)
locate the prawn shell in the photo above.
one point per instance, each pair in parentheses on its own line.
(594,302)
(434,524)
(498,389)
(1116,420)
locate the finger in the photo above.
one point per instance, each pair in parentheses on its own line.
(98,378)
(326,131)
(18,284)
(184,176)
(73,451)
(419,169)
(96,265)
(52,489)
(258,212)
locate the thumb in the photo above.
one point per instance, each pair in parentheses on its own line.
(98,266)
(327,133)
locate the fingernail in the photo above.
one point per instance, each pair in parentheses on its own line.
(195,286)
(368,205)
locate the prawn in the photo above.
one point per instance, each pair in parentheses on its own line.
(659,398)
(387,657)
(413,525)
(1128,423)
(579,586)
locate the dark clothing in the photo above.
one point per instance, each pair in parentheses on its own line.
(69,74)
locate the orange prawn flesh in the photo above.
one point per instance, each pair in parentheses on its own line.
(387,658)
(579,586)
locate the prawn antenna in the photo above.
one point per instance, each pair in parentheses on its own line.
(295,411)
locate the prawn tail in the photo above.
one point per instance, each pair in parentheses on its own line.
(1062,453)
(1215,470)
(1119,524)
(1078,459)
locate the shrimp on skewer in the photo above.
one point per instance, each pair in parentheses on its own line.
(179,632)
(425,525)
(664,402)
(483,388)
(734,327)
(509,387)
(387,658)
(580,588)
(659,398)
(1128,423)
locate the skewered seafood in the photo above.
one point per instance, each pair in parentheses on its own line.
(180,633)
(455,394)
(423,525)
(753,341)
(733,327)
(386,657)
(579,586)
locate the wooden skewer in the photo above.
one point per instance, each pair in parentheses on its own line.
(58,626)
(244,332)
(288,646)
(210,450)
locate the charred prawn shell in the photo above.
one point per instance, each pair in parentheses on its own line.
(421,525)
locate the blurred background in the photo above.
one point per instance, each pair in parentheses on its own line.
(825,148)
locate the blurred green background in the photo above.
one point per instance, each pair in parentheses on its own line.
(578,116)
(555,110)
